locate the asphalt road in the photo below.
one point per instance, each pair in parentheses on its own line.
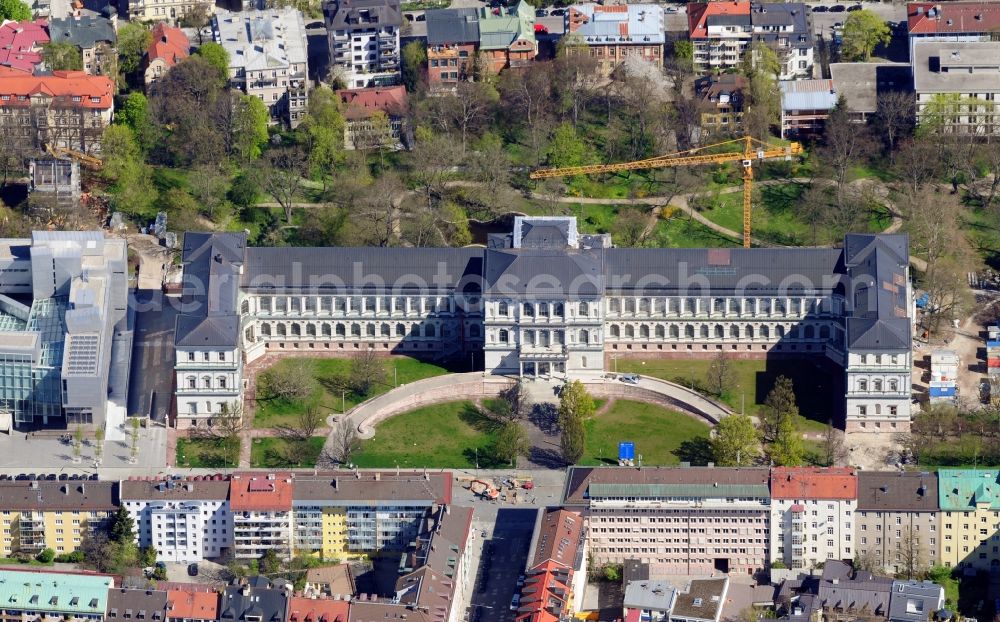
(500,559)
(152,373)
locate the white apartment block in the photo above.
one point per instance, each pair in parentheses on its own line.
(694,521)
(267,58)
(957,87)
(185,520)
(363,40)
(812,515)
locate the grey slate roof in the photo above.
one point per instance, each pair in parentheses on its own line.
(877,268)
(914,601)
(124,603)
(84,32)
(260,602)
(210,288)
(891,491)
(539,272)
(449,26)
(838,590)
(67,495)
(361,14)
(860,84)
(652,595)
(727,19)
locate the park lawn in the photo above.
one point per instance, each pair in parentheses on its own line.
(595,218)
(272,453)
(438,436)
(662,436)
(201,453)
(328,395)
(681,231)
(774,213)
(753,379)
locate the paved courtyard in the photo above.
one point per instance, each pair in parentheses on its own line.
(50,454)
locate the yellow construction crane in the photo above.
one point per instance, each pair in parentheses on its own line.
(753,149)
(83,158)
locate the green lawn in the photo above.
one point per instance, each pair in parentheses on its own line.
(276,453)
(438,436)
(328,395)
(662,436)
(681,231)
(201,453)
(816,391)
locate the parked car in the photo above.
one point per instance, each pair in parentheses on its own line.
(421,18)
(838,8)
(670,9)
(558,12)
(541,13)
(540,29)
(856,7)
(520,581)
(820,9)
(838,26)
(630,378)
(515,602)
(192,570)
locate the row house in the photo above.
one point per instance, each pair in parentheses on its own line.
(897,518)
(57,515)
(54,596)
(184,520)
(363,41)
(612,33)
(261,506)
(969,503)
(267,58)
(555,577)
(146,605)
(65,109)
(693,521)
(812,515)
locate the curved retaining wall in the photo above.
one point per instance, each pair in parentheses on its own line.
(661,393)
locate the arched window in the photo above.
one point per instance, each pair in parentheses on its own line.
(400,304)
(614,305)
(718,333)
(384,330)
(808,332)
(644,332)
(660,331)
(584,336)
(704,331)
(327,331)
(719,305)
(559,310)
(341,330)
(615,331)
(734,332)
(192,382)
(370,330)
(281,330)
(659,306)
(862,385)
(265,329)
(690,306)
(400,330)
(584,309)
(675,332)
(748,307)
(644,305)
(877,385)
(221,381)
(474,330)
(629,331)
(765,332)
(245,307)
(503,335)
(749,332)
(502,309)
(894,385)
(248,333)
(430,331)
(529,309)
(355,330)
(311,330)
(296,330)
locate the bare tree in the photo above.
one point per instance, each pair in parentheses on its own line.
(367,370)
(291,380)
(467,108)
(630,228)
(912,554)
(517,399)
(894,111)
(345,442)
(845,145)
(918,162)
(834,451)
(307,421)
(228,428)
(374,218)
(720,375)
(281,176)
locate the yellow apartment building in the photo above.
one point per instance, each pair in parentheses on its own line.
(37,515)
(970,518)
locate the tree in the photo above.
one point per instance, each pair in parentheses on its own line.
(511,442)
(912,554)
(468,107)
(122,527)
(208,186)
(197,17)
(62,56)
(863,30)
(720,377)
(98,444)
(77,443)
(834,451)
(46,556)
(125,169)
(575,404)
(194,112)
(181,208)
(367,370)
(216,56)
(134,452)
(147,556)
(228,427)
(323,133)
(345,442)
(291,380)
(779,404)
(845,143)
(515,397)
(866,559)
(14,10)
(894,113)
(134,113)
(786,450)
(683,50)
(282,177)
(374,133)
(573,440)
(567,148)
(762,98)
(269,563)
(631,227)
(133,41)
(414,64)
(249,127)
(736,441)
(307,422)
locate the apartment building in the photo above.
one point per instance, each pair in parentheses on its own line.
(191,605)
(805,106)
(53,596)
(720,33)
(38,515)
(721,102)
(363,40)
(262,515)
(507,37)
(362,107)
(302,609)
(694,520)
(783,27)
(898,517)
(267,58)
(611,33)
(185,520)
(555,578)
(147,605)
(21,44)
(950,22)
(956,87)
(812,515)
(66,109)
(170,11)
(354,515)
(452,41)
(547,301)
(168,47)
(254,599)
(96,38)
(64,355)
(969,500)
(207,364)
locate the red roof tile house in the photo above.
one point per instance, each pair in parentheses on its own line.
(168,47)
(720,33)
(262,514)
(365,127)
(67,109)
(301,609)
(554,584)
(812,515)
(21,44)
(939,22)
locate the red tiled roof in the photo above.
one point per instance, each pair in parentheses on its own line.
(71,88)
(169,44)
(260,491)
(189,605)
(924,18)
(362,103)
(558,537)
(543,597)
(698,13)
(814,483)
(301,609)
(21,43)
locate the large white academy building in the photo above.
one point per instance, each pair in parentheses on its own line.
(546,301)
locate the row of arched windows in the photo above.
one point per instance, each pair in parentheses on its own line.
(356,329)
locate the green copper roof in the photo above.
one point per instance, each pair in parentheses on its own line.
(54,592)
(964,489)
(677,490)
(498,32)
